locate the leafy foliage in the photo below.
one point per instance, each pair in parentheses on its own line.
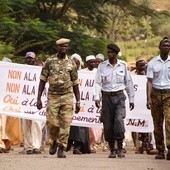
(34,25)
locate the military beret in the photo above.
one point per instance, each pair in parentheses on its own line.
(113,47)
(90,57)
(30,54)
(165,39)
(62,41)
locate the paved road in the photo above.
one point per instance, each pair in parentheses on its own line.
(98,161)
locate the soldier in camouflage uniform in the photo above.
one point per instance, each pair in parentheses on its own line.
(61,72)
(158,96)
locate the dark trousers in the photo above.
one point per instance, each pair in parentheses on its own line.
(112,116)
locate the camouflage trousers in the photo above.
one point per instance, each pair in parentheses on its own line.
(59,117)
(160,111)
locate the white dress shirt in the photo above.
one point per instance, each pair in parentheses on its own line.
(159,71)
(112,79)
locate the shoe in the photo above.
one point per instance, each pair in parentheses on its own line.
(6,150)
(1,150)
(105,149)
(160,155)
(23,151)
(22,145)
(29,152)
(60,153)
(152,152)
(53,148)
(139,150)
(93,151)
(77,152)
(168,155)
(36,151)
(124,150)
(69,145)
(120,153)
(112,154)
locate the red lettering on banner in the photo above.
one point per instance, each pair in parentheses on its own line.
(12,87)
(80,82)
(11,109)
(12,74)
(9,99)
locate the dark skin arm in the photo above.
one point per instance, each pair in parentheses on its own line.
(148,91)
(77,96)
(97,103)
(131,106)
(40,90)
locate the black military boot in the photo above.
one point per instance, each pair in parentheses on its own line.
(60,153)
(53,148)
(120,152)
(112,150)
(168,155)
(160,155)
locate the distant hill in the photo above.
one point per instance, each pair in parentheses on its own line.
(160,4)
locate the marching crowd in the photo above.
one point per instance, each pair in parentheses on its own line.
(112,78)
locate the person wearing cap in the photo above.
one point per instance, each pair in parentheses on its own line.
(61,73)
(141,65)
(78,60)
(30,58)
(78,136)
(4,138)
(158,97)
(112,78)
(91,64)
(10,129)
(99,59)
(142,141)
(31,129)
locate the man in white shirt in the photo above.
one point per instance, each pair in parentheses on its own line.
(158,96)
(112,78)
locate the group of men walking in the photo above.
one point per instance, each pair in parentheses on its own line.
(112,78)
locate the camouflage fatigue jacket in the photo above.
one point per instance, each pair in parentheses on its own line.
(61,73)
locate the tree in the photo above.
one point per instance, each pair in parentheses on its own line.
(36,24)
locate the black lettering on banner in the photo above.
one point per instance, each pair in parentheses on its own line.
(137,122)
(29,77)
(135,87)
(89,83)
(87,119)
(28,90)
(84,96)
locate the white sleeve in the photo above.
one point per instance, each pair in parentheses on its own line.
(97,85)
(129,87)
(149,73)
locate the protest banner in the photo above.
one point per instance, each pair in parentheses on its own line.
(19,89)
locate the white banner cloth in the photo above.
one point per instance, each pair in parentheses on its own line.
(19,89)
